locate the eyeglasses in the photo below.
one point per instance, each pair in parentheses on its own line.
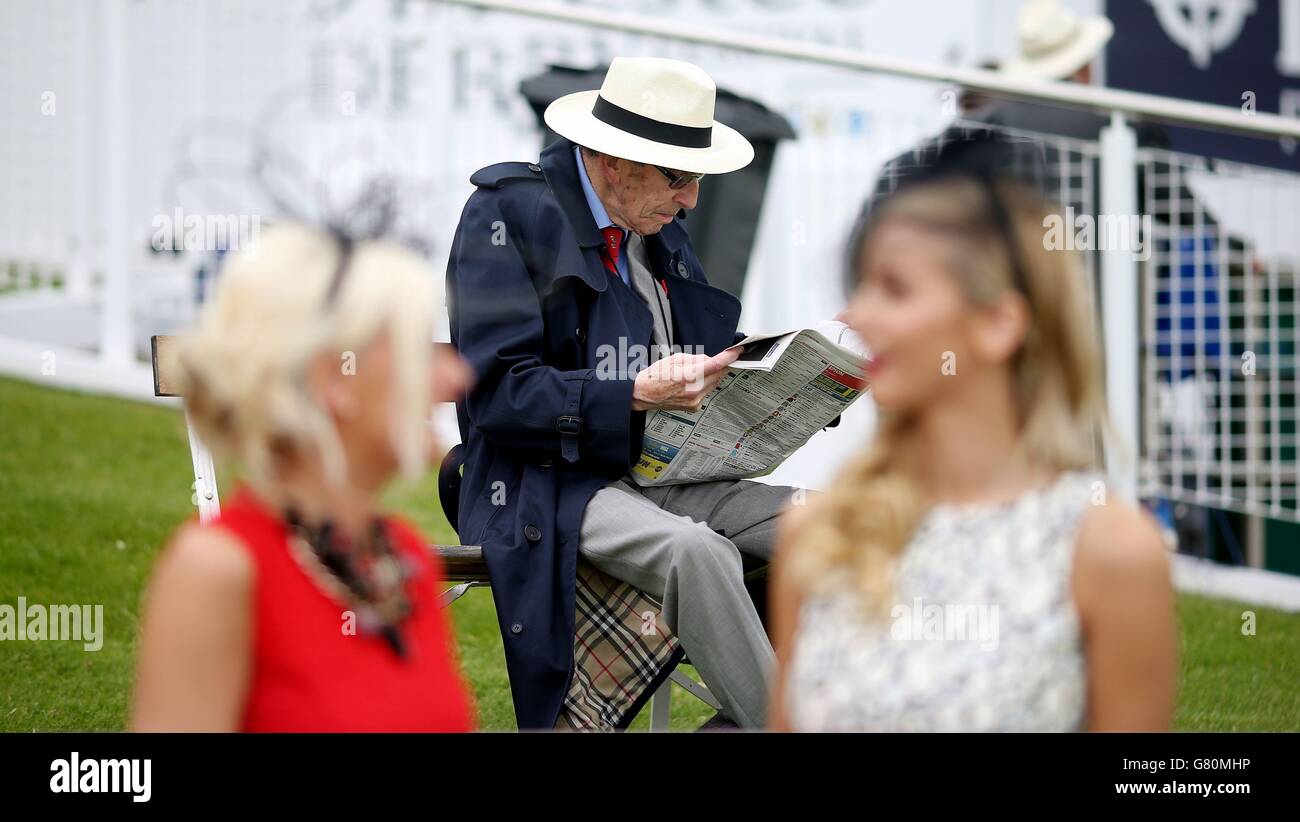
(679,179)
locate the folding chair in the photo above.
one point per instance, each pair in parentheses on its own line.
(463,565)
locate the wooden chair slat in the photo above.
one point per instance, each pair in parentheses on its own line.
(462,563)
(166,366)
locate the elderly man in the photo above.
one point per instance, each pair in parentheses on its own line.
(567,278)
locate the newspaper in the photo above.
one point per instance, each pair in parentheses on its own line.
(782,389)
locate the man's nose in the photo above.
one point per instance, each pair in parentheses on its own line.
(688,196)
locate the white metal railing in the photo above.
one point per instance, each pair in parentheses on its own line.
(1221,331)
(1164,109)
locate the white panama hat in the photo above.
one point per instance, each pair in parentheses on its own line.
(652,110)
(1055,42)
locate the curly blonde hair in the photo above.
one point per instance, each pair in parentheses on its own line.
(855,532)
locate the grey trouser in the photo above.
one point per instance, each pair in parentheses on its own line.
(666,542)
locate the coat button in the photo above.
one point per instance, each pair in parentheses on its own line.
(581,334)
(516,628)
(546,463)
(534,167)
(682,270)
(532,533)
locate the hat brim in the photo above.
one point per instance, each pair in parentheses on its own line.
(570,116)
(1094,35)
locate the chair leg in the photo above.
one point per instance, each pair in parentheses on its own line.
(661,707)
(695,689)
(205,476)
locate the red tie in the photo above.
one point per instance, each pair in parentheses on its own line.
(613,243)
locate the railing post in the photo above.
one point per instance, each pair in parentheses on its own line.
(80,267)
(1121,336)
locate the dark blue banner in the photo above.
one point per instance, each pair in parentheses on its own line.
(1238,53)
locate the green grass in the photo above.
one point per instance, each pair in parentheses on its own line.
(1231,681)
(91,487)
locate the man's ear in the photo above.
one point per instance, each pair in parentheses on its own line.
(610,168)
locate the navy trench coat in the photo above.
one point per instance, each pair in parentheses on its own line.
(549,420)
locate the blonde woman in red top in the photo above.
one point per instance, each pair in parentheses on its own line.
(303,607)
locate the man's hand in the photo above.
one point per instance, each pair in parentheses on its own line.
(680,382)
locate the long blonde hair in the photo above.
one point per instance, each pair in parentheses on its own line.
(855,532)
(244,366)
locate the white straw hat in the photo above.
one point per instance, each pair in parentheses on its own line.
(652,110)
(1055,42)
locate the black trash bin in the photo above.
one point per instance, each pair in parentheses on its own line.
(725,221)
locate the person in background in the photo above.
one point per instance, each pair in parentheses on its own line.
(969,570)
(1056,44)
(1053,44)
(303,607)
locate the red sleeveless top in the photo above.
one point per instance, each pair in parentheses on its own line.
(315,671)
